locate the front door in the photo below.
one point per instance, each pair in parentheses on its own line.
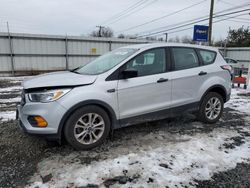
(150,91)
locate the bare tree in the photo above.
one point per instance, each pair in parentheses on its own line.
(121,36)
(176,39)
(160,39)
(102,32)
(151,38)
(187,39)
(220,42)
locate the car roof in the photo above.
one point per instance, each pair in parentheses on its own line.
(166,44)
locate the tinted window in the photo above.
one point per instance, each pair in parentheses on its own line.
(185,58)
(149,62)
(207,56)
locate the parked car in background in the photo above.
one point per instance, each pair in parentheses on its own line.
(127,86)
(232,62)
(237,68)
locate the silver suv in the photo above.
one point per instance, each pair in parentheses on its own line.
(126,86)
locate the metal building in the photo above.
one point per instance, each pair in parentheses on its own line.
(29,53)
(241,54)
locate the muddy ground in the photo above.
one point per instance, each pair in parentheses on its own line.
(21,153)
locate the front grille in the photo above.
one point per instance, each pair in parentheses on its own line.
(23,101)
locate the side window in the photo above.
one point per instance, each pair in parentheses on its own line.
(185,58)
(149,62)
(207,56)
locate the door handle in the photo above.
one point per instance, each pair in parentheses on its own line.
(162,80)
(202,73)
(111,90)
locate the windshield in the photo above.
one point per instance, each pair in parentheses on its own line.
(106,61)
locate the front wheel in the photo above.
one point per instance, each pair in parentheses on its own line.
(87,127)
(211,108)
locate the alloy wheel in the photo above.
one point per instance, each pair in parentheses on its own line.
(213,108)
(89,128)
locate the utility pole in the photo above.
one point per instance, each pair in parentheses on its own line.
(166,39)
(100,30)
(11,50)
(210,23)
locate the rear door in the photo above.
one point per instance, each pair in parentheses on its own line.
(150,91)
(187,75)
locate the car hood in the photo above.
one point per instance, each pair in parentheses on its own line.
(58,79)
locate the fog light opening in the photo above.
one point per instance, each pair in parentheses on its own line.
(37,121)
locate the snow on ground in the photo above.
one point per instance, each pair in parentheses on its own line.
(173,164)
(7,115)
(169,164)
(11,100)
(9,96)
(15,78)
(10,89)
(240,100)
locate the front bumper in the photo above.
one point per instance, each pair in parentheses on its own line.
(51,112)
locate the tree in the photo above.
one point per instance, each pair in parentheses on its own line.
(176,39)
(220,42)
(239,37)
(160,39)
(150,38)
(102,32)
(121,36)
(187,39)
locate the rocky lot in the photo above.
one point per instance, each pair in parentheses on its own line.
(180,152)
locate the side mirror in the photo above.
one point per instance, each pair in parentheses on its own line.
(129,73)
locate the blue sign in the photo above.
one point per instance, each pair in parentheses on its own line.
(200,33)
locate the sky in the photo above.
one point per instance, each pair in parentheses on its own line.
(80,17)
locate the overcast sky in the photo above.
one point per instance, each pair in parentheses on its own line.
(80,17)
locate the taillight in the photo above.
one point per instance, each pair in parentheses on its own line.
(229,68)
(226,67)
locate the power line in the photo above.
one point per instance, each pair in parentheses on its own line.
(118,14)
(130,13)
(162,17)
(224,19)
(244,19)
(215,16)
(196,19)
(124,12)
(239,20)
(194,22)
(227,3)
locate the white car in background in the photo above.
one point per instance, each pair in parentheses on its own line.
(232,62)
(237,68)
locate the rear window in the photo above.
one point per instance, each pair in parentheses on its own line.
(208,57)
(185,58)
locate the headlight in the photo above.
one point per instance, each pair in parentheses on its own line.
(47,96)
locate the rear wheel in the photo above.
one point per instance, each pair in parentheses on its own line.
(87,127)
(211,108)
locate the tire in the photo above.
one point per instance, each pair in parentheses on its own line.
(87,127)
(204,115)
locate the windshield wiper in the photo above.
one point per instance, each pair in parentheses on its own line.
(74,70)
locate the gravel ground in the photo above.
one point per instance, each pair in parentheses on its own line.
(20,153)
(238,177)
